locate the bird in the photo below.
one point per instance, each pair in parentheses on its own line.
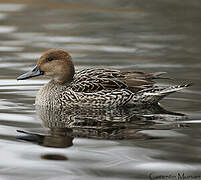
(98,88)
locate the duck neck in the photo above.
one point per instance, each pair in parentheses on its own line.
(64,73)
(49,93)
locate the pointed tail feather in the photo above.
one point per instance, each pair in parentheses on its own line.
(159,75)
(154,95)
(168,90)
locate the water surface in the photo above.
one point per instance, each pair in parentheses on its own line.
(128,35)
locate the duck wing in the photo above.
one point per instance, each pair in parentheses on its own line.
(94,80)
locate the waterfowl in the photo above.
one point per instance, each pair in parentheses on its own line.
(94,87)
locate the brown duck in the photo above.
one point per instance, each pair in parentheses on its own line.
(94,87)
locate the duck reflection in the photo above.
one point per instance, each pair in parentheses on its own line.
(118,123)
(57,157)
(57,138)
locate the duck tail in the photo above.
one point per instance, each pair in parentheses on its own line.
(154,95)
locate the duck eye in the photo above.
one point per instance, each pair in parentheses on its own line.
(50,59)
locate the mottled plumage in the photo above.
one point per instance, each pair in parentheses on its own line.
(94,87)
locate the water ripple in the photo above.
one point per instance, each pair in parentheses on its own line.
(11,7)
(7,29)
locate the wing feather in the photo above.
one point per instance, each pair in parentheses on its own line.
(94,80)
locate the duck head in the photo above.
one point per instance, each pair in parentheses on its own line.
(55,63)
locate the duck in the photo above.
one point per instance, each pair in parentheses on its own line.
(100,88)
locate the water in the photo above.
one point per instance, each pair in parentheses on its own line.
(129,35)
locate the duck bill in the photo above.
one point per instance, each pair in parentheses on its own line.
(35,72)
